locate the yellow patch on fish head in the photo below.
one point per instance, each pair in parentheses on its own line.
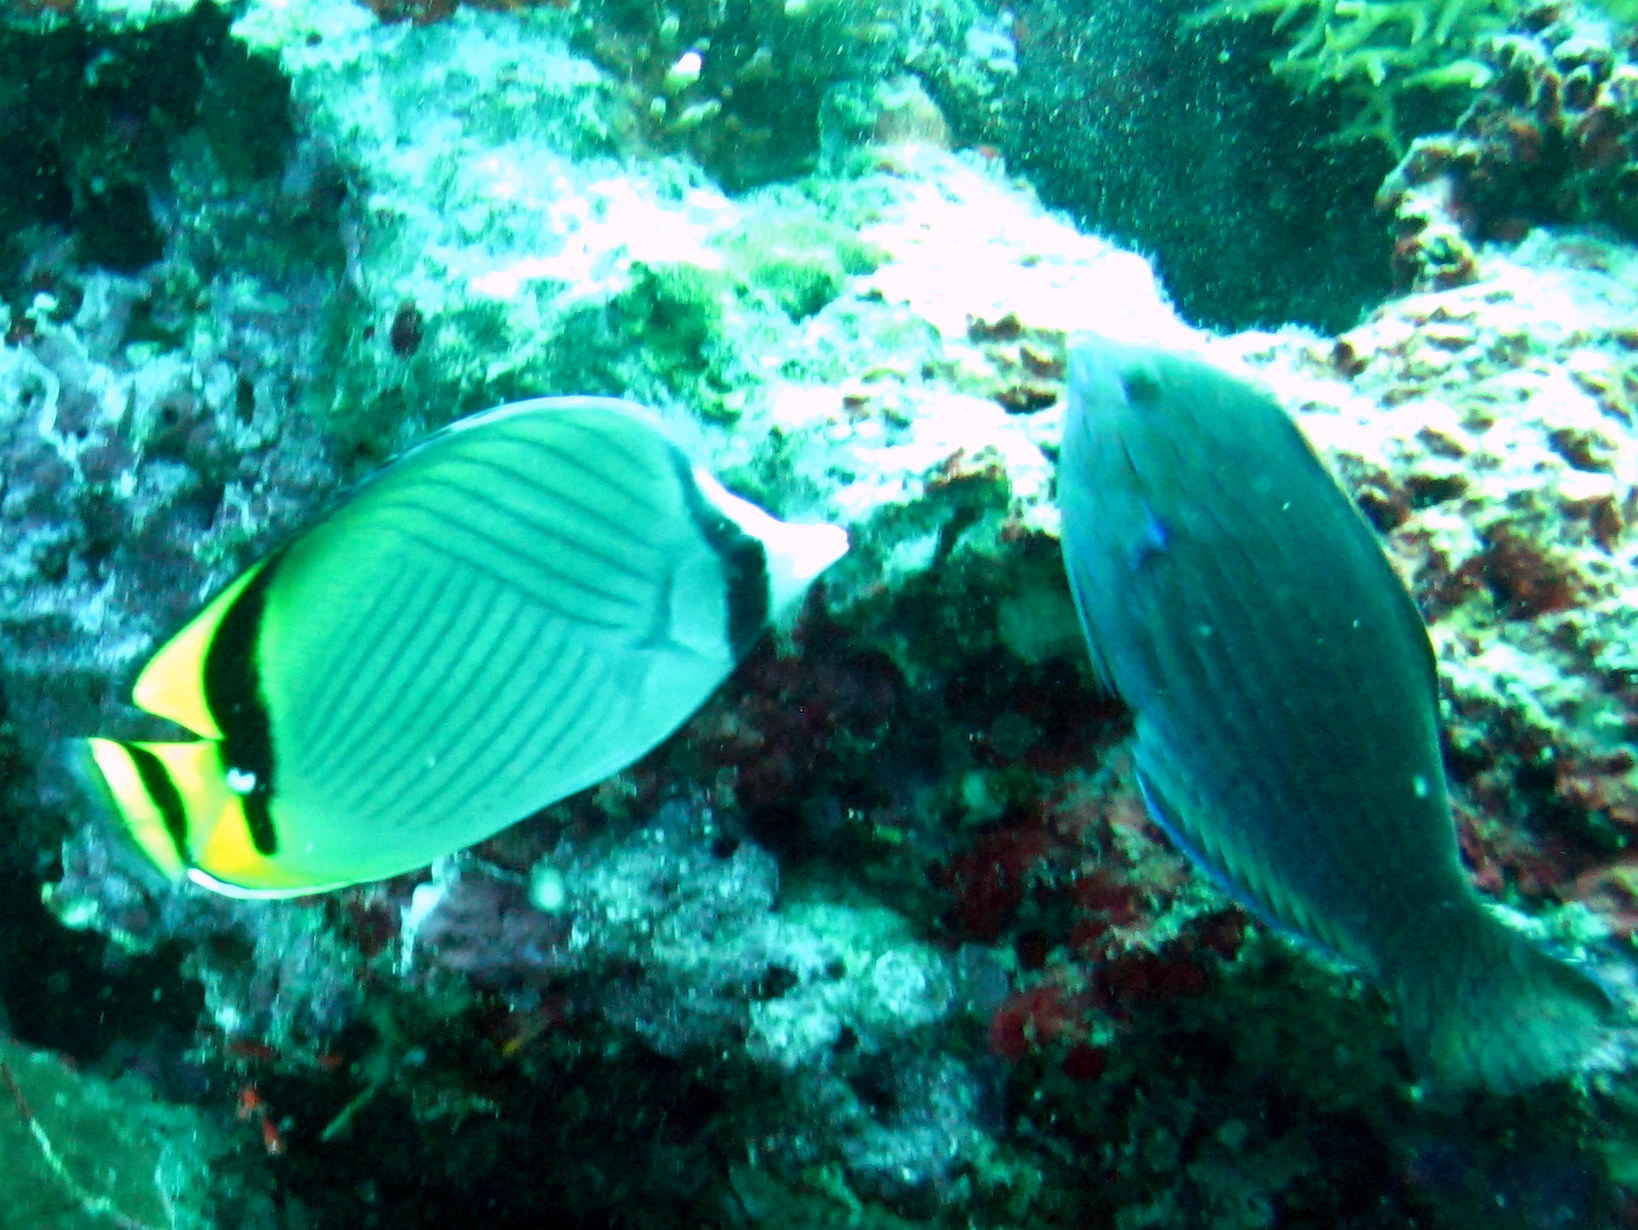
(226,860)
(172,684)
(163,794)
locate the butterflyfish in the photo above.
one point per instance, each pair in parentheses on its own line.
(512,611)
(1284,694)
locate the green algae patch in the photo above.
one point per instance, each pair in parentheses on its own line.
(83,1152)
(675,309)
(1377,52)
(673,333)
(800,263)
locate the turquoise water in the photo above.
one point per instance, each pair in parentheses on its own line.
(884,935)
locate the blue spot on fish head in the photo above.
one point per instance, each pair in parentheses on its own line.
(1153,540)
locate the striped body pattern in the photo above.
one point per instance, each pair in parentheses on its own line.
(511,612)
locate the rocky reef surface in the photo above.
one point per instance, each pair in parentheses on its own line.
(883,936)
(82,1152)
(1551,139)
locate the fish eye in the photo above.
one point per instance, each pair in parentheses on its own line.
(240,781)
(1142,387)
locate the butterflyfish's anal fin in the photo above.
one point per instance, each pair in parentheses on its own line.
(272,885)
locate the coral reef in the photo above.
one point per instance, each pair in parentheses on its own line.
(1552,139)
(1376,51)
(83,1153)
(756,91)
(38,16)
(884,936)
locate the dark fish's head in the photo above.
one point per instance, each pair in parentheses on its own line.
(1127,389)
(1130,438)
(1107,383)
(1169,423)
(1126,413)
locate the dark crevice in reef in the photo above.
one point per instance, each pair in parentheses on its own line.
(93,121)
(71,992)
(1180,144)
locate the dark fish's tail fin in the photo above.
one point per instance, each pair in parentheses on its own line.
(1483,1007)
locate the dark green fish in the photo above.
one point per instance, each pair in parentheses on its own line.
(1286,705)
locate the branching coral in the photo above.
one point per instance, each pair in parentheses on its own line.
(1553,139)
(1375,51)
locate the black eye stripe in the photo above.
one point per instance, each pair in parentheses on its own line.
(233,693)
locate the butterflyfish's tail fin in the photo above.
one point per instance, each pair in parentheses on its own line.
(1483,1007)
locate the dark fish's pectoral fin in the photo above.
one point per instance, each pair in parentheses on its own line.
(1191,832)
